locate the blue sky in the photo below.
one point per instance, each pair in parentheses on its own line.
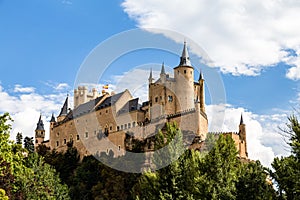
(43,44)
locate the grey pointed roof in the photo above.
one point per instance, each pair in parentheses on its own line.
(163,69)
(241,121)
(185,58)
(40,125)
(150,76)
(52,118)
(64,109)
(200,76)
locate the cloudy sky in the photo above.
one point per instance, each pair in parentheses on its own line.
(253,45)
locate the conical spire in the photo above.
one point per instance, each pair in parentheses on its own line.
(185,58)
(52,118)
(64,109)
(150,76)
(241,121)
(200,76)
(163,69)
(40,125)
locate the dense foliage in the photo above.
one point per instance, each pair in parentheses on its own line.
(215,174)
(25,175)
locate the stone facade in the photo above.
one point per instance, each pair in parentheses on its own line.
(100,123)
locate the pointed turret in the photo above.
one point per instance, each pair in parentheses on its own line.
(243,138)
(241,121)
(163,69)
(39,132)
(163,75)
(200,76)
(52,118)
(64,109)
(201,92)
(185,58)
(150,77)
(40,125)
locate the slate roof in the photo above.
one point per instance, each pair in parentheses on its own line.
(64,109)
(109,101)
(40,125)
(131,105)
(90,105)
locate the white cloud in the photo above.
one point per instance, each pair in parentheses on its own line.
(294,72)
(263,135)
(62,86)
(242,37)
(26,108)
(19,88)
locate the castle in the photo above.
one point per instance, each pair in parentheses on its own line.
(100,123)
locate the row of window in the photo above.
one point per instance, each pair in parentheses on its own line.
(126,126)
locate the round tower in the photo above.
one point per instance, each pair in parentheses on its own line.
(184,82)
(39,132)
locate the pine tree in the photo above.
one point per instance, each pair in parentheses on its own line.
(19,138)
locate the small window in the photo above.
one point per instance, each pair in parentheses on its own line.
(57,143)
(106,111)
(110,128)
(65,141)
(57,134)
(107,151)
(86,134)
(95,132)
(118,128)
(160,98)
(184,71)
(121,127)
(129,125)
(156,99)
(125,126)
(77,137)
(170,98)
(36,141)
(191,72)
(119,147)
(133,124)
(100,113)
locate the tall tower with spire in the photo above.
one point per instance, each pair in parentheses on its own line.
(243,140)
(163,75)
(201,92)
(39,132)
(184,78)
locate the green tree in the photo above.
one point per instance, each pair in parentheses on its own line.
(28,144)
(219,171)
(19,138)
(253,182)
(41,180)
(25,178)
(287,170)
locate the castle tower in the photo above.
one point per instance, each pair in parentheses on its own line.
(39,132)
(64,111)
(163,75)
(184,86)
(242,137)
(201,92)
(52,122)
(150,79)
